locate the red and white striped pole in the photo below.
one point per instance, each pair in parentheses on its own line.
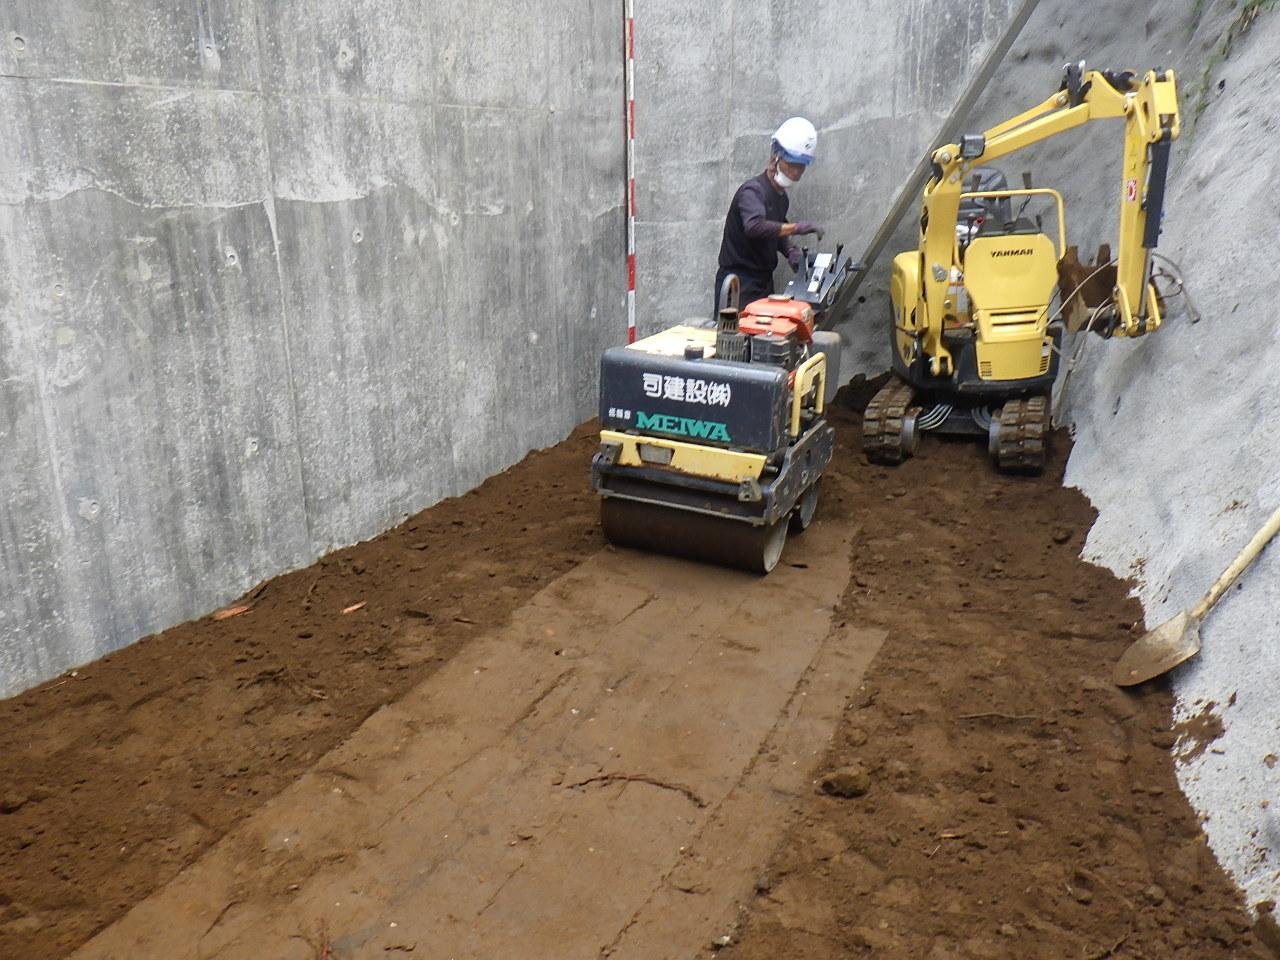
(628,9)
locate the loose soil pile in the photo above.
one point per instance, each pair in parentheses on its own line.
(113,780)
(990,793)
(999,797)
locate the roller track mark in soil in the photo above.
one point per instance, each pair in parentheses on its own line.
(637,610)
(607,778)
(815,690)
(222,914)
(601,850)
(537,701)
(493,897)
(431,785)
(198,820)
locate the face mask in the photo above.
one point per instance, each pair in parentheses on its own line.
(782,179)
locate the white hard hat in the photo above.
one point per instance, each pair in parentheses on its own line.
(796,141)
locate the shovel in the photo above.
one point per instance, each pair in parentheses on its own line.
(1178,640)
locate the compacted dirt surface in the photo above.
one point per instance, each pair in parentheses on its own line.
(987,792)
(114,779)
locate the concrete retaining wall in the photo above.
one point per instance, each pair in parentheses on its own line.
(273,276)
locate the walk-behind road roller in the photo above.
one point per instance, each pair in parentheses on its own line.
(713,438)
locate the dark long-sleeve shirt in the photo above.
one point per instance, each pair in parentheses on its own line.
(751,242)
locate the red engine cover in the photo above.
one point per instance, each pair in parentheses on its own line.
(778,315)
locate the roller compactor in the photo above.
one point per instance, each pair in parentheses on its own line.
(714,437)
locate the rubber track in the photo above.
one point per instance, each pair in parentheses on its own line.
(1023,426)
(882,422)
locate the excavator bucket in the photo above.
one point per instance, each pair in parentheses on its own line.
(1085,287)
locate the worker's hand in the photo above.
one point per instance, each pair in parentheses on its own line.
(808,226)
(793,257)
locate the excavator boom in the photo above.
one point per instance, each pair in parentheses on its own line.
(1149,108)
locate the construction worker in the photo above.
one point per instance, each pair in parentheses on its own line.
(756,231)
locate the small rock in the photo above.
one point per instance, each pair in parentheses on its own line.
(1154,894)
(720,943)
(358,567)
(1082,895)
(1164,739)
(986,798)
(764,883)
(1008,930)
(983,764)
(1061,535)
(13,802)
(901,774)
(857,737)
(852,781)
(1220,930)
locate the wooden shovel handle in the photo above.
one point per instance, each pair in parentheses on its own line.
(1246,557)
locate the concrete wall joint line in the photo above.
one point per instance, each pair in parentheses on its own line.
(269,206)
(133,202)
(537,110)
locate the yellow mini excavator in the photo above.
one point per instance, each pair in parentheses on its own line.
(978,311)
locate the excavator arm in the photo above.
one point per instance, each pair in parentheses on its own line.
(1149,108)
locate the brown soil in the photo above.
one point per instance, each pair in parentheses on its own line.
(113,780)
(1004,799)
(1016,804)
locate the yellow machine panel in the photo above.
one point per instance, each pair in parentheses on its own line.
(672,341)
(1010,280)
(693,459)
(1010,273)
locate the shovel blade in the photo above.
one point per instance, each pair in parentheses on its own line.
(1158,651)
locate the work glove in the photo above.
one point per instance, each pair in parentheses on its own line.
(808,226)
(793,257)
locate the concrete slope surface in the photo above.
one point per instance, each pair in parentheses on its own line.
(606,774)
